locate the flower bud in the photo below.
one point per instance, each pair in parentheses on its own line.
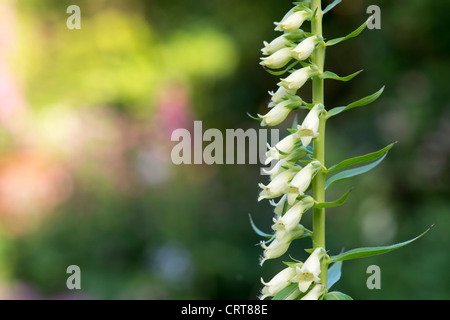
(275,45)
(297,78)
(305,48)
(277,114)
(293,21)
(278,283)
(310,126)
(278,59)
(300,183)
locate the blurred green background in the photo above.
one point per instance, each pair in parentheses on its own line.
(86,177)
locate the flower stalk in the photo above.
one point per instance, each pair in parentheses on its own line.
(318,183)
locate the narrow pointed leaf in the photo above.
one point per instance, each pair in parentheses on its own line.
(336,203)
(362,102)
(334,76)
(257,230)
(352,172)
(362,159)
(286,292)
(281,72)
(254,118)
(372,251)
(291,264)
(336,295)
(349,36)
(295,123)
(331,5)
(302,5)
(334,274)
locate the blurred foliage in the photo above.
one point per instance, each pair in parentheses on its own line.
(85,172)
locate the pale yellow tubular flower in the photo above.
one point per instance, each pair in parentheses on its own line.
(285,145)
(276,115)
(300,183)
(291,219)
(278,59)
(278,283)
(275,250)
(293,22)
(297,79)
(309,129)
(305,48)
(309,272)
(275,45)
(280,95)
(276,187)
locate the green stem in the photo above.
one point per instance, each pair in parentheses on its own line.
(318,184)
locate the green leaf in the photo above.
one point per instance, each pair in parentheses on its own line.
(295,123)
(336,203)
(257,230)
(281,72)
(331,5)
(352,172)
(362,102)
(291,264)
(372,251)
(334,274)
(254,118)
(286,292)
(361,159)
(334,76)
(351,35)
(336,295)
(302,5)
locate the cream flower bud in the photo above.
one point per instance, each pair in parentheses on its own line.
(278,59)
(305,48)
(285,146)
(315,293)
(297,78)
(278,283)
(300,183)
(277,114)
(293,21)
(275,188)
(310,126)
(275,250)
(290,220)
(275,45)
(309,272)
